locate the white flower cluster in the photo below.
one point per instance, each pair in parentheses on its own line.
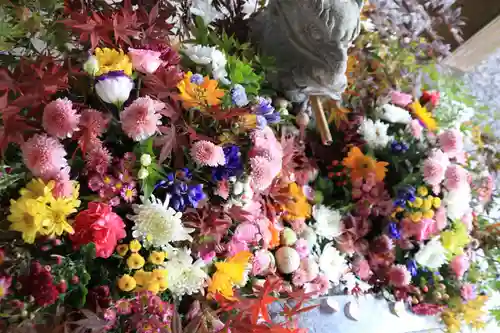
(432,255)
(328,222)
(333,264)
(241,194)
(184,276)
(375,133)
(205,10)
(209,56)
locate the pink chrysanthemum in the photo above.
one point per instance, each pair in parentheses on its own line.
(64,185)
(455,177)
(459,265)
(452,143)
(44,156)
(94,122)
(140,119)
(400,98)
(435,167)
(98,159)
(206,153)
(60,119)
(123,306)
(399,276)
(416,129)
(262,173)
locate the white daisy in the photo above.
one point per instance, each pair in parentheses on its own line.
(332,264)
(328,222)
(375,133)
(199,54)
(158,224)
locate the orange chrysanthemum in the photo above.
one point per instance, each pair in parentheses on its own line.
(362,165)
(199,95)
(297,207)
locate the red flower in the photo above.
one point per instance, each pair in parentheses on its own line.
(430,96)
(100,225)
(39,284)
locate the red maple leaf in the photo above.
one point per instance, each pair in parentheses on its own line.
(264,298)
(163,83)
(208,221)
(166,141)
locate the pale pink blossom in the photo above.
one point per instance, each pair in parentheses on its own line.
(468,220)
(263,263)
(98,159)
(63,184)
(60,118)
(452,142)
(302,248)
(400,98)
(94,122)
(362,269)
(435,167)
(399,276)
(145,61)
(247,232)
(140,119)
(459,265)
(416,129)
(222,189)
(468,291)
(235,246)
(44,156)
(318,286)
(440,218)
(299,277)
(455,177)
(205,153)
(266,158)
(262,174)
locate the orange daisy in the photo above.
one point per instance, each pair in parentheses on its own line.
(362,165)
(199,94)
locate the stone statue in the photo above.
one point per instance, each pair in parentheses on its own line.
(309,41)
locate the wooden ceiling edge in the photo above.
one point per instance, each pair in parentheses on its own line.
(477,48)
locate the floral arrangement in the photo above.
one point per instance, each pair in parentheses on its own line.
(156,186)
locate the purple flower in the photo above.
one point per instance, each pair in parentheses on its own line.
(394,231)
(239,95)
(264,109)
(233,166)
(197,79)
(182,194)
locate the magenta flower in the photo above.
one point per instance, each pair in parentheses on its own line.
(98,159)
(128,193)
(123,306)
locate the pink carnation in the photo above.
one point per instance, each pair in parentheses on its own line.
(94,122)
(399,276)
(247,232)
(361,268)
(455,177)
(266,157)
(44,156)
(98,159)
(400,98)
(60,119)
(145,61)
(435,167)
(416,129)
(440,218)
(299,277)
(263,262)
(206,153)
(459,265)
(452,143)
(140,119)
(235,246)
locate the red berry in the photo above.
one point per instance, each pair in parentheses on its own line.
(338,174)
(334,163)
(59,260)
(331,174)
(425,289)
(45,248)
(75,279)
(56,242)
(62,286)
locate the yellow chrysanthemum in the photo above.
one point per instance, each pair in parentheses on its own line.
(199,95)
(230,273)
(156,257)
(159,275)
(428,214)
(111,60)
(135,261)
(142,277)
(424,116)
(28,216)
(126,283)
(37,189)
(427,204)
(135,246)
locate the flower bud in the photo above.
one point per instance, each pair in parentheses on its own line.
(91,66)
(288,237)
(114,88)
(287,260)
(302,119)
(143,173)
(146,160)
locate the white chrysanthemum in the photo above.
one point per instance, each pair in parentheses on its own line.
(432,255)
(375,133)
(332,264)
(395,114)
(457,202)
(218,64)
(328,222)
(199,54)
(158,224)
(183,276)
(205,10)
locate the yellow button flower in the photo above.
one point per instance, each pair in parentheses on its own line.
(422,191)
(159,275)
(427,204)
(156,257)
(135,261)
(122,249)
(142,277)
(163,285)
(416,216)
(127,283)
(135,246)
(154,287)
(436,202)
(428,214)
(418,202)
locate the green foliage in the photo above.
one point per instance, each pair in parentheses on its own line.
(155,171)
(242,73)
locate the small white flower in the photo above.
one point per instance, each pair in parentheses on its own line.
(332,264)
(146,160)
(199,54)
(367,25)
(395,114)
(183,276)
(328,222)
(432,255)
(249,7)
(375,133)
(218,64)
(457,202)
(205,10)
(143,173)
(91,66)
(158,224)
(209,56)
(114,89)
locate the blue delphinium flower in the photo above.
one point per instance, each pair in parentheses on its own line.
(411,265)
(233,166)
(197,79)
(182,194)
(394,231)
(267,113)
(407,193)
(239,95)
(398,147)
